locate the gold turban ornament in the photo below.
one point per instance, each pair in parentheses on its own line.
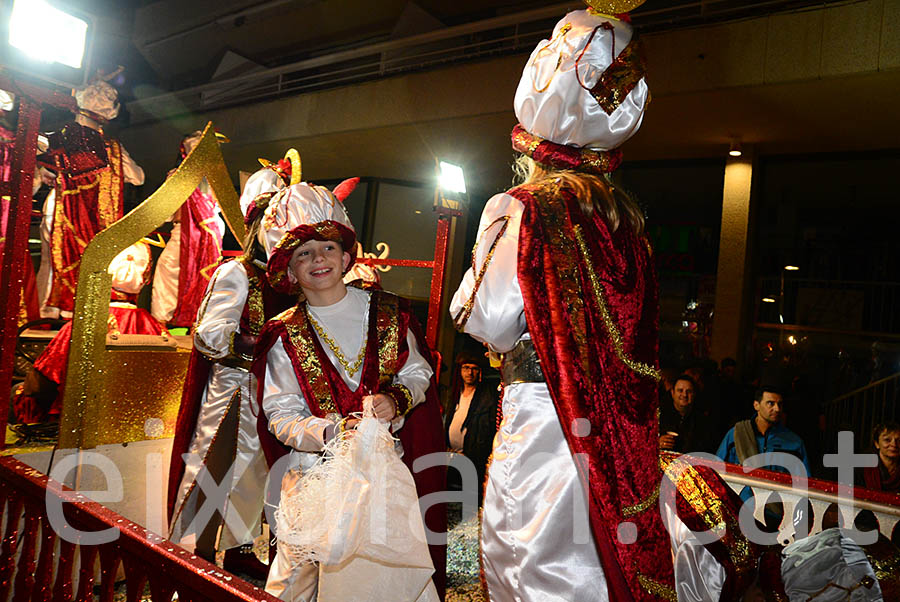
(612,7)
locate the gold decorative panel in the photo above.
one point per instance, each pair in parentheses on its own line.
(92,414)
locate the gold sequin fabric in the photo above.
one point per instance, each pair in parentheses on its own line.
(884,558)
(255,307)
(302,341)
(643,505)
(387,308)
(621,77)
(660,590)
(708,505)
(613,7)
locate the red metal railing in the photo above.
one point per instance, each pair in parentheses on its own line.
(36,562)
(437,266)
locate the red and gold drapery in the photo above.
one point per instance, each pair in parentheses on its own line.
(200,250)
(85,205)
(591,306)
(28,301)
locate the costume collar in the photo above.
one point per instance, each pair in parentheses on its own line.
(559,156)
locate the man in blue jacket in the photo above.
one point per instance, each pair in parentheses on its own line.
(763,433)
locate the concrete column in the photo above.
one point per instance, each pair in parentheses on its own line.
(733,285)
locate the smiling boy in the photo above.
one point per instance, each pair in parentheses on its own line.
(318,360)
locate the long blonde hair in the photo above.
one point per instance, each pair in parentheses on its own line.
(594,193)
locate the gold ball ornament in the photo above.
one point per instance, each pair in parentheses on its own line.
(612,7)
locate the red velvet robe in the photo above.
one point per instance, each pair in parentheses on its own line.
(85,205)
(325,392)
(592,310)
(200,250)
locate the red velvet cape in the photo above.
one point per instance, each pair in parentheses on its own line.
(85,205)
(594,324)
(272,303)
(201,247)
(326,391)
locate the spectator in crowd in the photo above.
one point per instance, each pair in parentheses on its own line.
(885,476)
(682,426)
(706,392)
(471,419)
(763,433)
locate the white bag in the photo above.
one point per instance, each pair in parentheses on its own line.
(356,513)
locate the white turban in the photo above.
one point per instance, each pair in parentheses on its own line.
(99,98)
(552,101)
(129,268)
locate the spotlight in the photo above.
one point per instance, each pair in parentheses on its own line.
(47,34)
(791,268)
(735,149)
(452,178)
(768,300)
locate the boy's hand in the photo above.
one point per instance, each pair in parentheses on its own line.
(384,407)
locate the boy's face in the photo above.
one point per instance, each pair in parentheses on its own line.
(319,265)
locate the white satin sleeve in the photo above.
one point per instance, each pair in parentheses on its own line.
(416,373)
(133,173)
(498,310)
(698,575)
(220,311)
(290,418)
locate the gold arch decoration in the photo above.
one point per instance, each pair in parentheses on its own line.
(97,409)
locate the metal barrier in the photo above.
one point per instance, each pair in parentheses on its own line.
(37,563)
(860,410)
(821,495)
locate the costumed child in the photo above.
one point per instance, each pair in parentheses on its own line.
(563,285)
(217,417)
(318,360)
(40,399)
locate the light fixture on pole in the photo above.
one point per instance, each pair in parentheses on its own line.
(735,149)
(46,42)
(451,188)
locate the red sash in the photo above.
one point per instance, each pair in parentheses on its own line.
(592,310)
(201,247)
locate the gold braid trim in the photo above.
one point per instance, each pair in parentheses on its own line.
(462,317)
(612,330)
(404,405)
(301,339)
(642,505)
(656,588)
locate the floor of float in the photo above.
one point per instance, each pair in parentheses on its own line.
(463,583)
